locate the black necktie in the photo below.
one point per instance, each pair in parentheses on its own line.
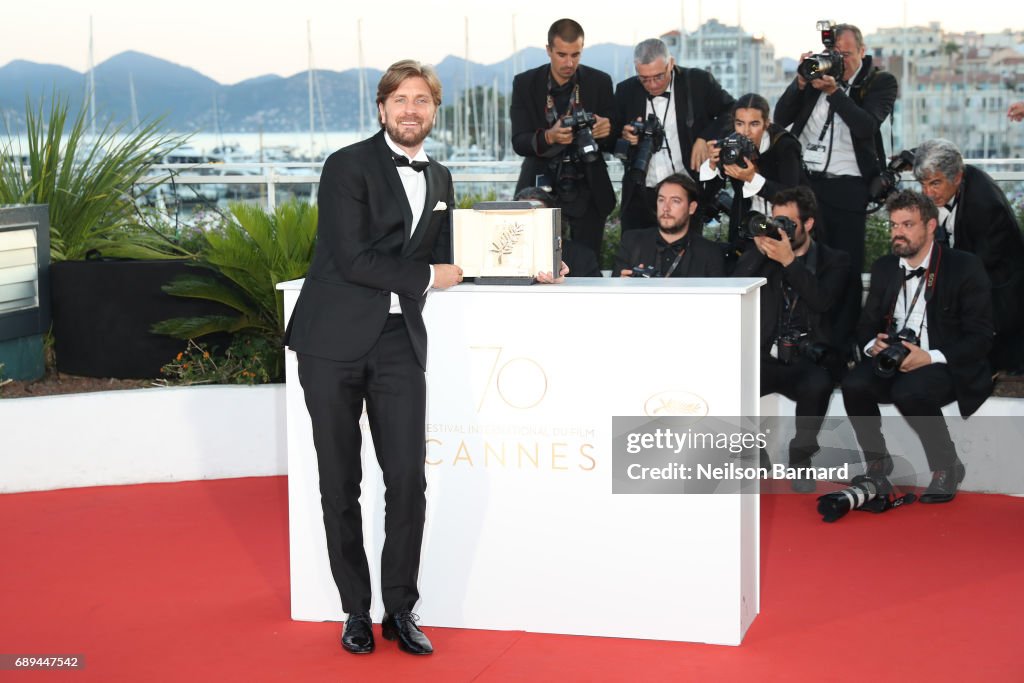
(916,272)
(402,160)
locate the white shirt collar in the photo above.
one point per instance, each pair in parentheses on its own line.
(421,155)
(924,264)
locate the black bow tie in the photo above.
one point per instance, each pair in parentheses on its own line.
(667,94)
(916,272)
(402,160)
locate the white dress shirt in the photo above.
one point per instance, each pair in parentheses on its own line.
(838,142)
(415,184)
(668,159)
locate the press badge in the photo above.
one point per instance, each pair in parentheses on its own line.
(815,156)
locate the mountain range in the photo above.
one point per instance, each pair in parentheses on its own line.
(189,101)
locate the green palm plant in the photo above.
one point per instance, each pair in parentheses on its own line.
(87,182)
(252,252)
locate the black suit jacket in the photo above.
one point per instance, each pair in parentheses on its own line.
(781,167)
(703,258)
(364,252)
(819,281)
(958,313)
(986,225)
(529,95)
(870,101)
(711,107)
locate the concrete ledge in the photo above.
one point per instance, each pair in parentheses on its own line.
(142,435)
(992,466)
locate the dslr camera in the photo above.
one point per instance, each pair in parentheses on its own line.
(760,225)
(886,183)
(864,493)
(829,62)
(891,358)
(582,124)
(736,149)
(646,271)
(795,343)
(652,137)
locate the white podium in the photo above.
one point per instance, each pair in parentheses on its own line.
(523,531)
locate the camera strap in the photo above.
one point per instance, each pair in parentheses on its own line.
(661,121)
(550,113)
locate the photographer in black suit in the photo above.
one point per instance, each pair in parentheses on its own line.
(768,162)
(673,248)
(805,279)
(974,216)
(838,122)
(561,157)
(926,329)
(688,104)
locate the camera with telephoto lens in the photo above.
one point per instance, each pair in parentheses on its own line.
(888,180)
(736,149)
(759,225)
(645,271)
(865,492)
(891,358)
(829,62)
(582,124)
(795,343)
(651,136)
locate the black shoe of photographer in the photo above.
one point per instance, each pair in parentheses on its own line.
(944,484)
(357,637)
(804,481)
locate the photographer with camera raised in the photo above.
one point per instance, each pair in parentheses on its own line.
(805,279)
(759,159)
(835,107)
(667,114)
(673,248)
(561,117)
(926,329)
(975,216)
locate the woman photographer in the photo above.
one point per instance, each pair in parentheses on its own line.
(766,161)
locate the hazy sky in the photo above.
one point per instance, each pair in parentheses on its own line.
(231,41)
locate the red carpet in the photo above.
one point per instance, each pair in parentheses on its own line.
(189,582)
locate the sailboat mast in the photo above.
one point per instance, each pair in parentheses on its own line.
(92,85)
(362,80)
(312,126)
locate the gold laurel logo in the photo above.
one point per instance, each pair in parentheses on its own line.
(667,403)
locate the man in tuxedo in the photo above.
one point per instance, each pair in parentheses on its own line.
(944,298)
(805,279)
(383,240)
(838,122)
(974,216)
(691,107)
(672,248)
(541,99)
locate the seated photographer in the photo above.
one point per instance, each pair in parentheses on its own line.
(805,279)
(579,259)
(975,216)
(759,160)
(671,249)
(926,328)
(561,123)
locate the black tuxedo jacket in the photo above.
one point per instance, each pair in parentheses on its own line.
(781,167)
(711,107)
(703,258)
(870,101)
(364,252)
(529,95)
(985,225)
(819,281)
(958,313)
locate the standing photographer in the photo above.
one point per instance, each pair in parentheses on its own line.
(926,328)
(838,120)
(680,110)
(565,159)
(805,279)
(762,159)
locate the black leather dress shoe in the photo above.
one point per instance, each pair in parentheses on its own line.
(880,468)
(944,484)
(401,626)
(357,637)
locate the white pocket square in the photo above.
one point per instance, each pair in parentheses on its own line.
(441,206)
